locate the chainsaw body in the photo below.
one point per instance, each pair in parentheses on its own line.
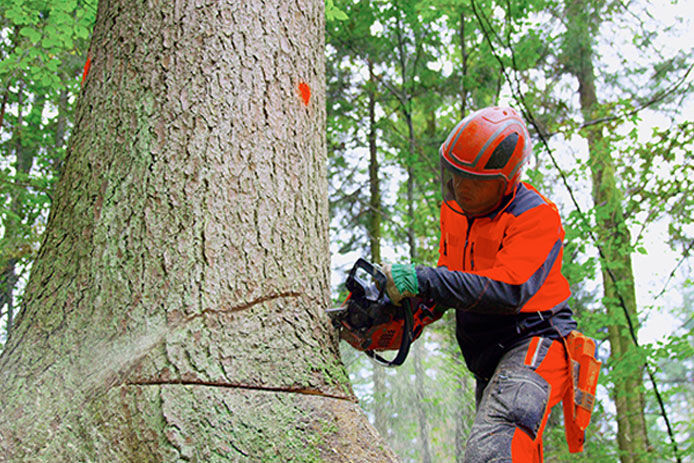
(370,322)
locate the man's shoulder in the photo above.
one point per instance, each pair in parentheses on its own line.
(527,198)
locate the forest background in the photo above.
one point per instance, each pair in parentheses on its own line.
(607,89)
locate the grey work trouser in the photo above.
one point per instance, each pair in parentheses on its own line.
(513,406)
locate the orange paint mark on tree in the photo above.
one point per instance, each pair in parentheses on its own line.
(87,65)
(304,92)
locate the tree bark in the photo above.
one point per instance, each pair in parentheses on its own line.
(175,311)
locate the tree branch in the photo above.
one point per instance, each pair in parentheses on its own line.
(685,255)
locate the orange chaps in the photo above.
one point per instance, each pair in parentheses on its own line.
(513,406)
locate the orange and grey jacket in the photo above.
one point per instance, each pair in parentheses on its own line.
(502,274)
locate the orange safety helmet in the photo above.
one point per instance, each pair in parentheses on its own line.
(490,143)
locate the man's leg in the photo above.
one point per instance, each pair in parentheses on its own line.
(529,380)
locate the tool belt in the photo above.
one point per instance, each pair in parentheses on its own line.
(579,400)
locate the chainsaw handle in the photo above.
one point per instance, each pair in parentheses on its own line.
(405,342)
(357,285)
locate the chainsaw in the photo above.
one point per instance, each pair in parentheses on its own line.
(370,322)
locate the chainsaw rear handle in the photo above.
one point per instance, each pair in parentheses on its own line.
(357,286)
(405,342)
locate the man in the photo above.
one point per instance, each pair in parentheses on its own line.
(500,269)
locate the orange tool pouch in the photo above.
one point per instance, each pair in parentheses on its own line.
(579,400)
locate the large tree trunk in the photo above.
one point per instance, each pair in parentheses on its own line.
(175,310)
(614,238)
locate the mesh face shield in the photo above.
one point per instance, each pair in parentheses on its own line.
(450,180)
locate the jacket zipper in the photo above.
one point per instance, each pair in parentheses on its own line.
(467,239)
(472,256)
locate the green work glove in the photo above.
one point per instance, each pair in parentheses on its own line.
(402,281)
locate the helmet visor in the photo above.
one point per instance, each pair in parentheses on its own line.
(470,194)
(448,189)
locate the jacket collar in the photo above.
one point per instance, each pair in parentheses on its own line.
(506,200)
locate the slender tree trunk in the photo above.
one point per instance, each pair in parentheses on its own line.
(175,311)
(462,407)
(421,409)
(411,236)
(381,422)
(60,130)
(462,418)
(374,228)
(16,246)
(405,99)
(420,393)
(8,276)
(374,231)
(3,104)
(464,56)
(614,238)
(6,91)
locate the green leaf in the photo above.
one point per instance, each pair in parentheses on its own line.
(68,42)
(30,33)
(81,32)
(49,42)
(333,13)
(16,15)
